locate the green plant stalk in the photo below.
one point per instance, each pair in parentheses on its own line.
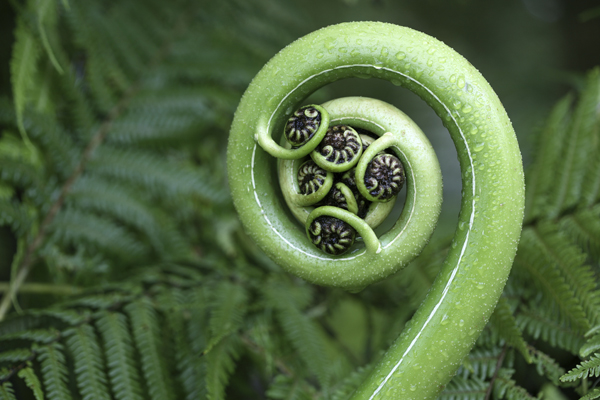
(433,344)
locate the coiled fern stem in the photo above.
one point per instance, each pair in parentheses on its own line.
(443,330)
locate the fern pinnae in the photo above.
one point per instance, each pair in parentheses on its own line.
(549,281)
(584,228)
(542,174)
(6,391)
(594,394)
(460,388)
(190,368)
(220,363)
(585,123)
(72,226)
(539,325)
(46,21)
(572,164)
(54,370)
(32,381)
(23,66)
(569,259)
(122,371)
(301,332)
(504,322)
(83,344)
(147,335)
(588,368)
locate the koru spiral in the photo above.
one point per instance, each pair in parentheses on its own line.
(312,182)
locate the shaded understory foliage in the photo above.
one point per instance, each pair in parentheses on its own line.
(131,278)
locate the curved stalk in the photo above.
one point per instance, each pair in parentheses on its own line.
(431,347)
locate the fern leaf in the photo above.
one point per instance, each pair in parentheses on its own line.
(54,371)
(46,11)
(506,388)
(570,262)
(301,332)
(503,320)
(547,366)
(351,382)
(460,388)
(157,175)
(14,356)
(287,388)
(576,152)
(548,280)
(89,366)
(122,371)
(146,333)
(542,175)
(71,226)
(480,363)
(220,363)
(587,368)
(584,227)
(594,394)
(32,381)
(23,67)
(191,368)
(7,392)
(228,308)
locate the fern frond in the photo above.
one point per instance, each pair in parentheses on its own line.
(546,365)
(300,331)
(118,350)
(7,392)
(569,259)
(32,381)
(220,363)
(83,344)
(345,388)
(587,368)
(506,388)
(576,154)
(73,226)
(146,333)
(287,388)
(157,175)
(504,322)
(547,278)
(23,67)
(460,388)
(584,227)
(481,363)
(54,370)
(227,311)
(539,325)
(542,174)
(594,394)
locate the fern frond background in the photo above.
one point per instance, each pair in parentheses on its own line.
(125,272)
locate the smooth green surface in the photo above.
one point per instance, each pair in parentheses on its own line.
(466,290)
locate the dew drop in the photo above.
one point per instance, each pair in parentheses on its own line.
(479,147)
(384,52)
(319,55)
(401,55)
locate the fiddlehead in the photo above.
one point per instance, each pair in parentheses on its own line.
(443,330)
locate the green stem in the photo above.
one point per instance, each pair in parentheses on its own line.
(433,344)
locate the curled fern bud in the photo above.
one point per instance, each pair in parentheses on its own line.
(302,125)
(311,177)
(331,235)
(348,178)
(341,196)
(339,150)
(384,177)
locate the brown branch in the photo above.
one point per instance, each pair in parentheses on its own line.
(488,393)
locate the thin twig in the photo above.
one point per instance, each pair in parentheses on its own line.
(488,393)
